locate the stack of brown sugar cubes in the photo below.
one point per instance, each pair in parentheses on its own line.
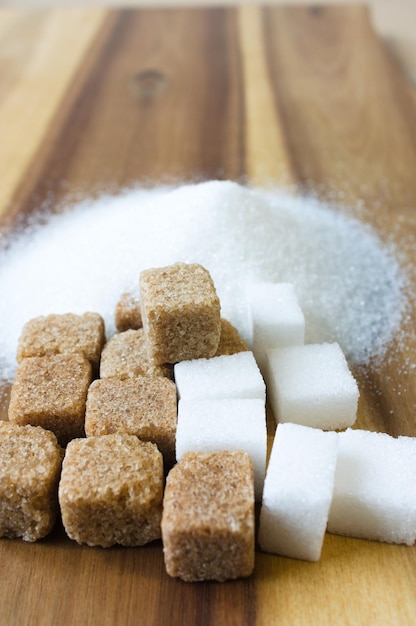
(208,513)
(57,356)
(113,406)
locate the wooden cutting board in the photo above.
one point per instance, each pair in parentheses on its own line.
(93,98)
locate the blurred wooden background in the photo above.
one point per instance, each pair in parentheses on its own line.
(393,20)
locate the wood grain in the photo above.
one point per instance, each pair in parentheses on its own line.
(146,111)
(343,104)
(34,80)
(301,96)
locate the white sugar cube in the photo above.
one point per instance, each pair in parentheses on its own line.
(227,424)
(297,491)
(375,487)
(226,376)
(312,385)
(277,319)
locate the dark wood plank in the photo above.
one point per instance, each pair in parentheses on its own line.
(348,113)
(158,100)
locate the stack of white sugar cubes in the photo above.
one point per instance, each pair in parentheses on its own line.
(353,483)
(310,388)
(306,384)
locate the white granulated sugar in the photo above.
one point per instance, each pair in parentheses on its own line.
(348,283)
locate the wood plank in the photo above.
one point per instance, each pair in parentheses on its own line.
(258,94)
(135,99)
(343,103)
(264,132)
(354,583)
(34,80)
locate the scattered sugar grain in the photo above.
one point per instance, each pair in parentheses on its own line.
(349,284)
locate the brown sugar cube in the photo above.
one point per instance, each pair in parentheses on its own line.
(181,313)
(30,464)
(51,392)
(144,406)
(128,314)
(230,340)
(125,356)
(111,491)
(208,517)
(63,334)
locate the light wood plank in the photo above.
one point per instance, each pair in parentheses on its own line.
(267,157)
(40,51)
(355,583)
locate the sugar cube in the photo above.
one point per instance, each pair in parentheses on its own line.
(208,517)
(298,491)
(277,319)
(145,406)
(312,385)
(225,376)
(375,487)
(111,491)
(65,333)
(51,391)
(180,313)
(125,356)
(30,465)
(225,424)
(128,314)
(230,340)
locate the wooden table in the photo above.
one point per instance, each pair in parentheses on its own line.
(306,96)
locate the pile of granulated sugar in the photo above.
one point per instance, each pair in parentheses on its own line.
(349,285)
